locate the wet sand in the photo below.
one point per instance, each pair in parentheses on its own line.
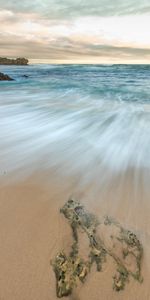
(32,231)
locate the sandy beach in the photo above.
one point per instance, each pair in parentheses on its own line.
(33,231)
(80,131)
(74,150)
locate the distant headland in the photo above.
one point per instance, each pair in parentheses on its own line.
(18,61)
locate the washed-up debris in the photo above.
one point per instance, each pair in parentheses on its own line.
(68,270)
(131,250)
(71,269)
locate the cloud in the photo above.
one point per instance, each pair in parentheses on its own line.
(76,8)
(67,30)
(67,49)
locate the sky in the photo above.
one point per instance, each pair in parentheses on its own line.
(76,31)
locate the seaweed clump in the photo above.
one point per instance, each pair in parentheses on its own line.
(68,270)
(71,269)
(131,249)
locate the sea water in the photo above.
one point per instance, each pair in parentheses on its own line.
(80,118)
(89,123)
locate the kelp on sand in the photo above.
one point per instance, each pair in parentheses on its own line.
(123,246)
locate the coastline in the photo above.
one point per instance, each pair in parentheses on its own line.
(20,61)
(57,143)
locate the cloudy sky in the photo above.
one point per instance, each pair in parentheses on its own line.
(86,31)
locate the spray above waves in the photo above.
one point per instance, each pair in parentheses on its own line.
(74,138)
(76,120)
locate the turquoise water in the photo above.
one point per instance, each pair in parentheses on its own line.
(75,119)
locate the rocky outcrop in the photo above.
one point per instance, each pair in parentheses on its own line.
(18,61)
(5,77)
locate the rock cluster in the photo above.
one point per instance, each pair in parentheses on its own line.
(5,77)
(18,61)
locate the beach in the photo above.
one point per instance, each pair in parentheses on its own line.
(33,231)
(71,131)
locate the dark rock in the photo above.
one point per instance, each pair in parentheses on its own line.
(5,77)
(25,76)
(18,61)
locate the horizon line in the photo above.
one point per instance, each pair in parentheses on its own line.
(78,62)
(108,62)
(86,63)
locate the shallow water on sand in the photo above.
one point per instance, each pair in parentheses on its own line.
(88,124)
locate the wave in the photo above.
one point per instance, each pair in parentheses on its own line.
(78,135)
